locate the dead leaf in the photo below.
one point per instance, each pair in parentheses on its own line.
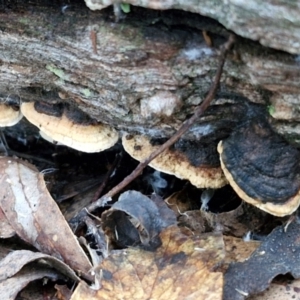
(165,212)
(10,288)
(238,250)
(180,202)
(145,223)
(280,292)
(35,216)
(194,220)
(6,231)
(237,222)
(17,270)
(278,254)
(16,260)
(182,268)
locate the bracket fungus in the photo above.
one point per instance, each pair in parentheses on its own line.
(175,162)
(262,167)
(9,115)
(59,127)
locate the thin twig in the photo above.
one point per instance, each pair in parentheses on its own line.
(184,127)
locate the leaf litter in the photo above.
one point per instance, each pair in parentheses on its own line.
(173,271)
(136,224)
(30,209)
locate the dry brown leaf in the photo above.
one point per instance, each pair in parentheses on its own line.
(238,250)
(16,260)
(6,231)
(16,273)
(182,268)
(12,286)
(35,216)
(280,292)
(277,254)
(237,222)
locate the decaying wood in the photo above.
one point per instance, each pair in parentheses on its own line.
(113,70)
(273,23)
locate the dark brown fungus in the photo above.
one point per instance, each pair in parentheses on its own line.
(262,167)
(201,153)
(55,110)
(78,116)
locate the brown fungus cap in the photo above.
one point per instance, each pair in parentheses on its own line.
(174,162)
(9,116)
(86,138)
(262,167)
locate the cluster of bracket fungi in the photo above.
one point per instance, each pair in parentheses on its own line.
(244,151)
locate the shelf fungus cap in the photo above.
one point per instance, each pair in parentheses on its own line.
(174,162)
(262,168)
(86,138)
(9,116)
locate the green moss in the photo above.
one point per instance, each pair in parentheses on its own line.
(60,82)
(87,92)
(58,72)
(125,8)
(271,109)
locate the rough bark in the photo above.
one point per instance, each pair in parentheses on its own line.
(274,23)
(48,52)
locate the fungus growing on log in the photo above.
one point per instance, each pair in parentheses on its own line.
(9,116)
(262,167)
(83,136)
(175,162)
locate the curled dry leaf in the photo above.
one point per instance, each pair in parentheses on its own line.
(180,269)
(16,260)
(35,216)
(6,231)
(15,273)
(278,254)
(165,212)
(10,288)
(148,218)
